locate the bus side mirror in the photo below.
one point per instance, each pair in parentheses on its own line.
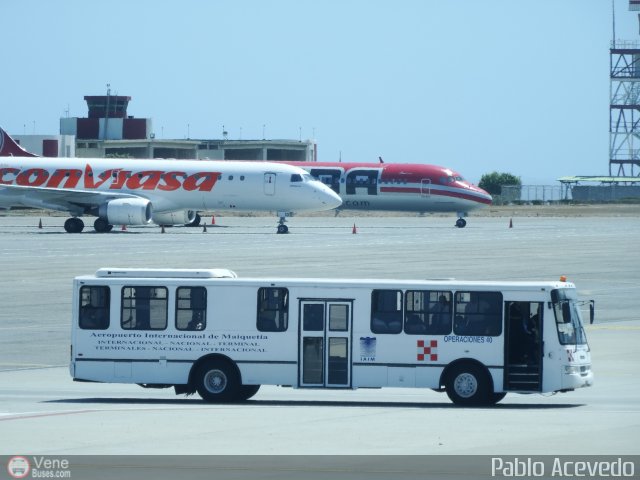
(592,309)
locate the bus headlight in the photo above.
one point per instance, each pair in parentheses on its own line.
(577,369)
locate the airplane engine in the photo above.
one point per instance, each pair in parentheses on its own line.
(127,211)
(177,217)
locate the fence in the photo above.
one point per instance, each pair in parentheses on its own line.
(567,192)
(533,193)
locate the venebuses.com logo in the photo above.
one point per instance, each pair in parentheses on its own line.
(18,467)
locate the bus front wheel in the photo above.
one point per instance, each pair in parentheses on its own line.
(247,391)
(217,382)
(468,385)
(496,397)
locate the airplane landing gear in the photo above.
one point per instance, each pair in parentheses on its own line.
(102,226)
(461,222)
(73,225)
(282,228)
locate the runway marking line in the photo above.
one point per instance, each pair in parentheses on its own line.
(22,416)
(614,327)
(18,416)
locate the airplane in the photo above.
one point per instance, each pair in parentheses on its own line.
(407,187)
(165,192)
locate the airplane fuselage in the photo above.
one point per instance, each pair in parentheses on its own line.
(168,184)
(398,187)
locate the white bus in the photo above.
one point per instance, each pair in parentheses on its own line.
(222,336)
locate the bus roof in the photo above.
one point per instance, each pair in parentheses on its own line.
(220,273)
(165,273)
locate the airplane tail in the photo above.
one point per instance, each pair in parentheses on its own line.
(10,148)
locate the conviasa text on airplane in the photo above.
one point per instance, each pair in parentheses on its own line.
(166,192)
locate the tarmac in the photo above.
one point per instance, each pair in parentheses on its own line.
(42,411)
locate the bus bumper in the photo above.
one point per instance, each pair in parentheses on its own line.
(577,376)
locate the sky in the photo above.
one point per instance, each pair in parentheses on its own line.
(476,85)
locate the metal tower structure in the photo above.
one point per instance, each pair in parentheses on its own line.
(624,110)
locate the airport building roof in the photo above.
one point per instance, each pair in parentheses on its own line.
(598,179)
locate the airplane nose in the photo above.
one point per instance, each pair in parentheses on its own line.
(486,196)
(330,198)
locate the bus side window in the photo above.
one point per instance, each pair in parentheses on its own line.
(273,309)
(427,312)
(478,313)
(386,311)
(94,308)
(144,308)
(191,308)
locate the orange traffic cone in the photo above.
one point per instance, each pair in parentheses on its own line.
(213,220)
(40,224)
(355,230)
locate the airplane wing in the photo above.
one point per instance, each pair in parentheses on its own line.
(76,202)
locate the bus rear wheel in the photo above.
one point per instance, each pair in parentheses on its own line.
(217,382)
(467,385)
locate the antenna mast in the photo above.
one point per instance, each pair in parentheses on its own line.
(613,21)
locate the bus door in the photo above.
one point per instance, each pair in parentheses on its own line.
(523,347)
(325,343)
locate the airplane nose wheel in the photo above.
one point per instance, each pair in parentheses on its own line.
(461,223)
(282,228)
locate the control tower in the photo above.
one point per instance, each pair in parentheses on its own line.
(107,120)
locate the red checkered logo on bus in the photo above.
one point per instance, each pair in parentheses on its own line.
(428,352)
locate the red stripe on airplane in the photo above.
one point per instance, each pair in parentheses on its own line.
(444,193)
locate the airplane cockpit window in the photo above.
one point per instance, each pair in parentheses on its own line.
(296,177)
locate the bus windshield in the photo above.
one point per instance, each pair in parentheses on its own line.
(568,318)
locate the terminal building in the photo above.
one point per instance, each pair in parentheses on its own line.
(109,131)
